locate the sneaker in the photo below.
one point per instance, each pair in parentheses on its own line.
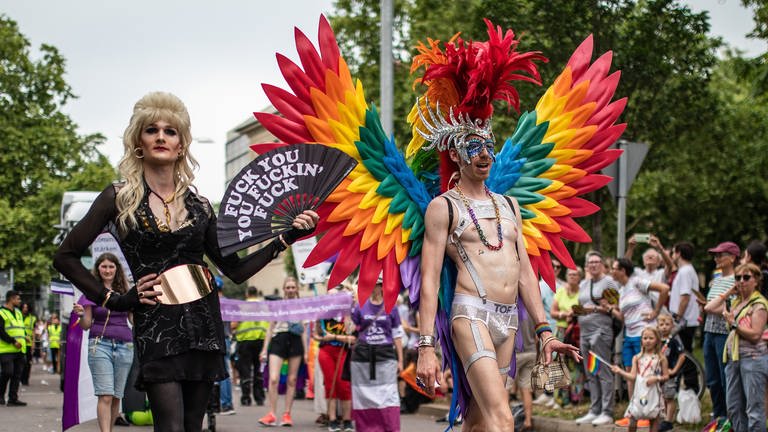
(586,418)
(665,426)
(120,421)
(2,401)
(245,401)
(602,419)
(348,426)
(286,421)
(622,422)
(268,420)
(16,402)
(334,426)
(227,411)
(543,399)
(643,423)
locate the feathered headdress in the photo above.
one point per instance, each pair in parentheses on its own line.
(465,78)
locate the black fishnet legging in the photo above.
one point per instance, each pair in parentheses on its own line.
(179,406)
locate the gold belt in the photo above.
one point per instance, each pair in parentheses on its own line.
(184,284)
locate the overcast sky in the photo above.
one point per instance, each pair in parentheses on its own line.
(212,54)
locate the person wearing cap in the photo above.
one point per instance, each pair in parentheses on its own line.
(715,328)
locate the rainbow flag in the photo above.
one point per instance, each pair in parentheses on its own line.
(593,362)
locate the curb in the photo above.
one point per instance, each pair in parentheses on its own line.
(540,424)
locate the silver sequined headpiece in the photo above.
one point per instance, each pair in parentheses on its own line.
(452,131)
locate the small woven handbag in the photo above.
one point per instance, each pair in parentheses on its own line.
(552,376)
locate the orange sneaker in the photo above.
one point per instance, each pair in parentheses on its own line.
(643,423)
(622,422)
(286,419)
(268,420)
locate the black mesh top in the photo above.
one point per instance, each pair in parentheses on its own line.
(161,330)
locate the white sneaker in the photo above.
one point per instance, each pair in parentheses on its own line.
(602,419)
(586,419)
(543,399)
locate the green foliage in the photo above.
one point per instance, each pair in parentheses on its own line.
(41,155)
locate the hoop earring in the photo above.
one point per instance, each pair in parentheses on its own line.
(138,152)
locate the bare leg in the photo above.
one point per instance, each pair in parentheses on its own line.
(630,384)
(632,425)
(115,409)
(275,363)
(670,410)
(104,413)
(290,385)
(331,409)
(527,406)
(489,409)
(346,410)
(654,425)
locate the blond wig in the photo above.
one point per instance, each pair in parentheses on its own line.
(153,107)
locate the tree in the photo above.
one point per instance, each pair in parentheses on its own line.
(41,155)
(661,47)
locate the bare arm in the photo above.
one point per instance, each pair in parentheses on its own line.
(684,299)
(432,256)
(663,290)
(529,292)
(717,304)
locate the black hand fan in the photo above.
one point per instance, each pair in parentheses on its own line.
(262,200)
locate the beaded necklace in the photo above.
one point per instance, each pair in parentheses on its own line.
(165,206)
(477,224)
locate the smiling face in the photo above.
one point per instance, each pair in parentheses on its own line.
(475,157)
(160,143)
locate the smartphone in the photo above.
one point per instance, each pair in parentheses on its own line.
(642,238)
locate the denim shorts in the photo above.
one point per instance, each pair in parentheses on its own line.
(109,361)
(632,346)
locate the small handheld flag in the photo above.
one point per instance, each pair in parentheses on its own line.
(593,362)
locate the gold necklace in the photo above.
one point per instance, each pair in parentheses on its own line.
(165,206)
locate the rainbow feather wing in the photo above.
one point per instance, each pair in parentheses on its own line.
(374,220)
(555,153)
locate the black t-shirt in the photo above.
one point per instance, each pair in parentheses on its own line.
(162,330)
(671,348)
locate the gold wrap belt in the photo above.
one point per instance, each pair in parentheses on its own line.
(184,284)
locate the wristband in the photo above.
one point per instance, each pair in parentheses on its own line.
(426,341)
(542,328)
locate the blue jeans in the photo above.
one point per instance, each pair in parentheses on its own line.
(714,344)
(225,385)
(110,362)
(746,393)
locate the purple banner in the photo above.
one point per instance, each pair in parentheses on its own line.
(310,308)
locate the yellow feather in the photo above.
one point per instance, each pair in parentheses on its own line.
(556,171)
(393,221)
(382,209)
(371,199)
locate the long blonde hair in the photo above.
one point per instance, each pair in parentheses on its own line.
(152,107)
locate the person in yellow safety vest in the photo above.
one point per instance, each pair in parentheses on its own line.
(250,337)
(13,346)
(29,331)
(54,341)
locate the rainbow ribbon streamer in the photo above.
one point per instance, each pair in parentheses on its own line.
(593,362)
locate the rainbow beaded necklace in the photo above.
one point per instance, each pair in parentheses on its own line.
(472,215)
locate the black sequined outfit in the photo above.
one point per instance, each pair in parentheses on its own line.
(173,342)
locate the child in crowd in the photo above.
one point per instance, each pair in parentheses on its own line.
(671,348)
(649,369)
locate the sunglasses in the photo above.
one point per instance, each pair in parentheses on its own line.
(744,277)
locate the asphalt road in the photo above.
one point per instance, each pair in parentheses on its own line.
(45,404)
